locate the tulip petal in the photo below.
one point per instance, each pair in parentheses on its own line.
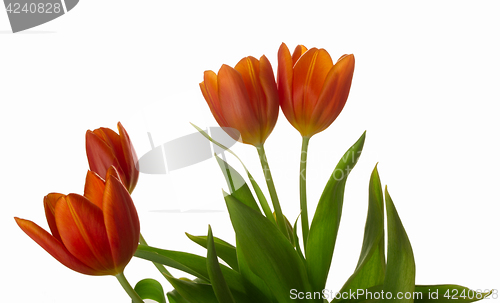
(83,233)
(55,248)
(94,188)
(49,203)
(270,90)
(99,153)
(121,221)
(299,51)
(284,79)
(248,68)
(114,141)
(236,106)
(130,165)
(334,94)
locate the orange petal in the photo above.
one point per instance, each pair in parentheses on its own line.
(235,104)
(335,92)
(131,164)
(299,51)
(94,188)
(83,233)
(284,79)
(55,248)
(122,222)
(49,203)
(270,90)
(248,68)
(309,74)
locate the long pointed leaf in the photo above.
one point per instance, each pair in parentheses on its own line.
(370,270)
(193,292)
(217,280)
(269,254)
(237,185)
(189,263)
(326,221)
(400,271)
(225,251)
(253,284)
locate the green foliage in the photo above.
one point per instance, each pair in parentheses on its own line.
(265,266)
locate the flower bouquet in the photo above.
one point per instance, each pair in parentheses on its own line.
(274,259)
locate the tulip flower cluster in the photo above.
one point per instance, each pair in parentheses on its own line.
(97,233)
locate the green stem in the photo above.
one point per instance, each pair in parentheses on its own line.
(160,267)
(303,195)
(280,219)
(129,289)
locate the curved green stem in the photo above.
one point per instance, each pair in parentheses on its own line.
(160,267)
(303,195)
(280,219)
(129,289)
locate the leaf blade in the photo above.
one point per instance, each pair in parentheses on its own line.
(325,224)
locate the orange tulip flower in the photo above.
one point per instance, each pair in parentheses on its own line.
(94,234)
(105,148)
(312,89)
(243,99)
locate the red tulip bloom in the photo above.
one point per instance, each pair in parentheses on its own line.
(94,234)
(243,98)
(106,148)
(312,89)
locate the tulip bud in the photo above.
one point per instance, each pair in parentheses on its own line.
(106,148)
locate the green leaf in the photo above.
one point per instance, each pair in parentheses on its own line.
(400,271)
(253,284)
(326,221)
(447,293)
(269,254)
(225,251)
(150,289)
(193,292)
(370,270)
(219,284)
(296,242)
(174,297)
(237,185)
(189,263)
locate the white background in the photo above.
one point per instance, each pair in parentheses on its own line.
(425,87)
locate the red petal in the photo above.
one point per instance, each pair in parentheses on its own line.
(49,203)
(99,153)
(131,164)
(122,222)
(55,248)
(94,188)
(83,233)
